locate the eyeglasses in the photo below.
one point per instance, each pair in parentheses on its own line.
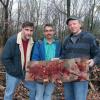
(48,30)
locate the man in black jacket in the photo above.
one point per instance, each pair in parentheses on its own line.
(79,44)
(16,54)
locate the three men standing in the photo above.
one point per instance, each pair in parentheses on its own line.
(17,52)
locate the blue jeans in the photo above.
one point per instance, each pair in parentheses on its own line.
(12,83)
(75,90)
(44,91)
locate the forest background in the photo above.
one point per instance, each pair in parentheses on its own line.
(14,12)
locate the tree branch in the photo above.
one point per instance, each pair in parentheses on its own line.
(2,3)
(59,9)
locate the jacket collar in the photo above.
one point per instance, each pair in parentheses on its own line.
(19,39)
(80,34)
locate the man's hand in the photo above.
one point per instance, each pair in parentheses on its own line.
(91,62)
(54,59)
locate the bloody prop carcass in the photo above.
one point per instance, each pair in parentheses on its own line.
(64,70)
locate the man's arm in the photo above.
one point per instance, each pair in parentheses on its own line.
(95,53)
(7,56)
(35,52)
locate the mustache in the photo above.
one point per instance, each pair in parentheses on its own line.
(49,34)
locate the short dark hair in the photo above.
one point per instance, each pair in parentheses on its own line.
(27,23)
(48,25)
(72,18)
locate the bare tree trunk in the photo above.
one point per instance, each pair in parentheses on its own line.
(19,14)
(68,7)
(92,17)
(5,5)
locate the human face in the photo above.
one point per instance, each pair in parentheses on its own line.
(27,32)
(48,32)
(74,26)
